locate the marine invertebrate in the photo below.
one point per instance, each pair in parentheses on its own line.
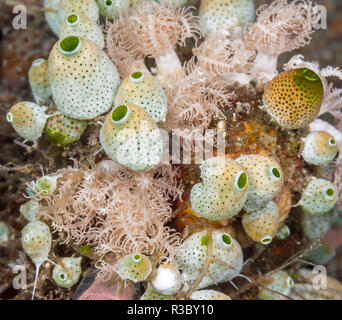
(28,120)
(225,264)
(315,226)
(280,27)
(216,15)
(115,211)
(262,224)
(320,148)
(67,272)
(80,25)
(29,210)
(153,30)
(4,232)
(294,97)
(278,282)
(283,232)
(142,89)
(112,9)
(46,184)
(51,16)
(87,7)
(39,81)
(83,79)
(36,241)
(266,179)
(224,189)
(62,130)
(135,267)
(167,279)
(130,137)
(209,295)
(319,197)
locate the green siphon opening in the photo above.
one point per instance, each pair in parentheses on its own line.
(310,75)
(136,75)
(72,18)
(204,240)
(62,276)
(330,192)
(70,43)
(137,257)
(108,3)
(226,239)
(276,173)
(119,113)
(332,142)
(266,240)
(242,180)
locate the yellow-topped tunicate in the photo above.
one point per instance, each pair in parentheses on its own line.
(294,97)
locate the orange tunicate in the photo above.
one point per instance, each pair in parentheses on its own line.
(294,97)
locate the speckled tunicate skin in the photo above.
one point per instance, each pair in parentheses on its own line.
(209,295)
(83,27)
(36,241)
(216,15)
(151,294)
(84,83)
(145,92)
(278,281)
(62,130)
(319,148)
(113,8)
(294,97)
(39,81)
(192,256)
(136,143)
(217,197)
(46,184)
(315,199)
(28,120)
(263,185)
(52,18)
(67,272)
(30,209)
(87,7)
(263,222)
(135,270)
